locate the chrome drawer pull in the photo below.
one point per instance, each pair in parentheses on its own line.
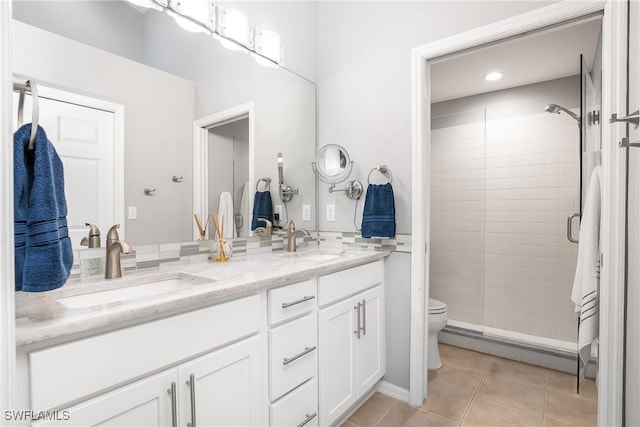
(192,385)
(307,350)
(174,404)
(309,418)
(358,328)
(364,317)
(301,300)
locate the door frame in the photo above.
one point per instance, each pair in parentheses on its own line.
(69,97)
(612,297)
(7,294)
(201,155)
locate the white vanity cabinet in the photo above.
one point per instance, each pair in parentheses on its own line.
(293,355)
(351,337)
(147,402)
(221,387)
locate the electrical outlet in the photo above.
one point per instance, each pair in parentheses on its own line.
(133,212)
(331,213)
(306,212)
(278,210)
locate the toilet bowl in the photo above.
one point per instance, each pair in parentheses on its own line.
(437,313)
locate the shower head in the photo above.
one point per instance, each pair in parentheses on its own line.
(555,109)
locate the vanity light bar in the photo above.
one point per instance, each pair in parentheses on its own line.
(230,26)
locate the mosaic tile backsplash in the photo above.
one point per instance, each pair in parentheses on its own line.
(91,262)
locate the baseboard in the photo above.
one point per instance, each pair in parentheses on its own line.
(558,359)
(392,390)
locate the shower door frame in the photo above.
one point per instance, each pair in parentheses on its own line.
(612,297)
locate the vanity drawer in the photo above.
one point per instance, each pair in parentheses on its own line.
(70,371)
(293,355)
(297,407)
(292,300)
(341,284)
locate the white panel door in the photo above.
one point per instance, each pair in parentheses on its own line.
(228,387)
(370,345)
(144,403)
(84,138)
(337,353)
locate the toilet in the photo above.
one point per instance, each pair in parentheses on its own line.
(437,321)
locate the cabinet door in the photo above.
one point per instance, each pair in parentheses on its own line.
(144,403)
(226,388)
(370,345)
(336,326)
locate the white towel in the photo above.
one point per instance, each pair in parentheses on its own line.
(244,210)
(594,158)
(586,285)
(226,208)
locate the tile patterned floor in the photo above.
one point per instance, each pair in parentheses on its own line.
(475,389)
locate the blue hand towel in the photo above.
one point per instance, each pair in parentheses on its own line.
(379,216)
(43,254)
(262,208)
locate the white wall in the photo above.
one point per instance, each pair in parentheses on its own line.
(158,123)
(364,84)
(89,22)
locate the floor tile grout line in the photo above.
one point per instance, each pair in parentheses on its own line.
(473,396)
(546,393)
(385,413)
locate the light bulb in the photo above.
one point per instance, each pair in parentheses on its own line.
(235,25)
(494,75)
(267,43)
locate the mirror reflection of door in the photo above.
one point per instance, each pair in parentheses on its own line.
(84,139)
(229,172)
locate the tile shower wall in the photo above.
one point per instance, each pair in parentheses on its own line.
(502,193)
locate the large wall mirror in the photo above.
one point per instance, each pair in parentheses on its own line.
(138,74)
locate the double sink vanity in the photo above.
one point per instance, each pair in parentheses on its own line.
(269,339)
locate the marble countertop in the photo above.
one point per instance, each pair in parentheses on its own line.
(48,315)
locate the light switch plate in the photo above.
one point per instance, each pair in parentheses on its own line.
(306,212)
(133,212)
(331,213)
(278,210)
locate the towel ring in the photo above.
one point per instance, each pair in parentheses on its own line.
(35,116)
(384,171)
(265,180)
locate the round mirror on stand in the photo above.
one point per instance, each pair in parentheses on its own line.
(333,165)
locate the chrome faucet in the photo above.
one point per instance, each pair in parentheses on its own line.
(115,247)
(292,233)
(264,231)
(93,241)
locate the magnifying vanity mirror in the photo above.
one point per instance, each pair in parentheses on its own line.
(333,165)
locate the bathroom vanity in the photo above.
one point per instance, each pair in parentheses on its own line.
(273,339)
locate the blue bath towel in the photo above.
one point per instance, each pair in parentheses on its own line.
(43,254)
(262,208)
(379,216)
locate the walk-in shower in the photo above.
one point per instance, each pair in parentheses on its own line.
(555,109)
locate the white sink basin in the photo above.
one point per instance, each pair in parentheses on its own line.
(314,256)
(146,288)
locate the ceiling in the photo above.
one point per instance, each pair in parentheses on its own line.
(534,58)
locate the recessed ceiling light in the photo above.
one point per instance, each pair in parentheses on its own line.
(495,75)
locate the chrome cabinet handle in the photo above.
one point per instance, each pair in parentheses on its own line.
(191,382)
(358,328)
(174,405)
(307,350)
(301,300)
(364,317)
(570,226)
(309,418)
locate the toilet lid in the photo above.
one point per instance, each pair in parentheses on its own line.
(436,306)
